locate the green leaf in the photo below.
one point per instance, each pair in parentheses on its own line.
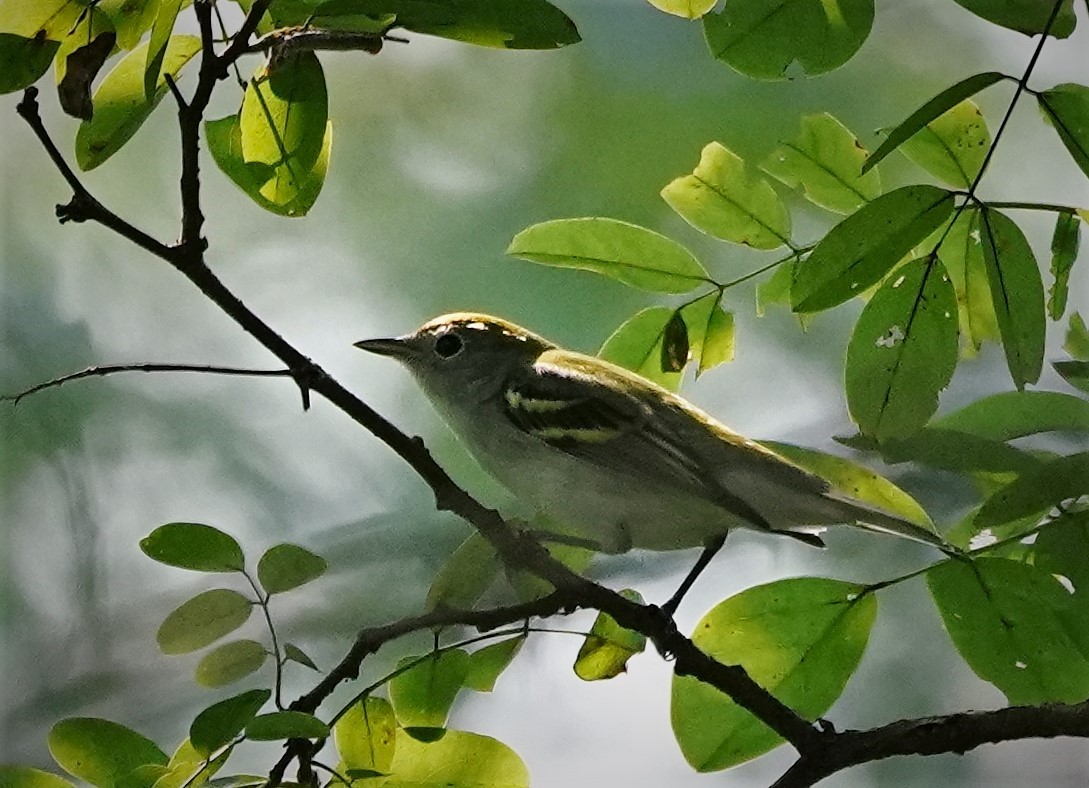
(1025,16)
(903,351)
(953,146)
(1067,107)
(1015,414)
(1037,490)
(631,254)
(423,694)
(1064,253)
(1077,338)
(230,662)
(761,38)
(160,37)
(22,62)
(637,345)
(189,767)
(284,126)
(1076,373)
(101,752)
(278,725)
(959,452)
(504,24)
(225,143)
(1061,548)
(486,664)
(865,246)
(219,724)
(26,777)
(962,254)
(724,199)
(801,639)
(776,289)
(203,620)
(1017,293)
(825,160)
(131,19)
(366,736)
(718,340)
(201,548)
(606,651)
(288,566)
(465,575)
(293,653)
(931,110)
(856,481)
(48,19)
(1016,627)
(459,758)
(687,9)
(120,104)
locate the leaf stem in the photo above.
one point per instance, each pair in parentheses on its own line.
(277,655)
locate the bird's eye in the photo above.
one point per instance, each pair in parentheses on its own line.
(448,345)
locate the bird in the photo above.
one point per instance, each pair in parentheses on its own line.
(621,460)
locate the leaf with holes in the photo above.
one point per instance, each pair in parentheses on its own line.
(953,146)
(961,252)
(903,351)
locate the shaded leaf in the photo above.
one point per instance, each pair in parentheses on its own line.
(1076,373)
(903,351)
(637,345)
(776,289)
(101,752)
(81,66)
(674,344)
(230,662)
(631,254)
(366,736)
(953,146)
(219,724)
(22,62)
(952,451)
(687,9)
(865,246)
(295,654)
(423,694)
(1076,342)
(26,777)
(718,340)
(201,548)
(724,199)
(203,620)
(801,639)
(1017,293)
(761,38)
(1014,414)
(160,37)
(1025,16)
(825,160)
(606,650)
(936,107)
(1067,107)
(120,104)
(1036,490)
(1061,548)
(486,664)
(1015,626)
(465,575)
(288,566)
(277,725)
(962,254)
(458,759)
(1064,253)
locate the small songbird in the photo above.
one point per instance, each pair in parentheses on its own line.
(619,458)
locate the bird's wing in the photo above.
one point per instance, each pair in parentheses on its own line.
(599,412)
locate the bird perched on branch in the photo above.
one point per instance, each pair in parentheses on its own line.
(623,460)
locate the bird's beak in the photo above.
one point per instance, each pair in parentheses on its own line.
(396,347)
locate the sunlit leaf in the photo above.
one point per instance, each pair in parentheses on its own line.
(1017,293)
(189,767)
(278,725)
(825,160)
(194,546)
(953,146)
(423,694)
(761,38)
(220,723)
(631,254)
(457,759)
(1067,107)
(22,62)
(1014,414)
(903,351)
(1064,253)
(865,246)
(687,9)
(131,19)
(47,19)
(606,650)
(465,575)
(1039,489)
(26,777)
(120,104)
(1025,16)
(637,345)
(486,664)
(230,662)
(288,566)
(203,620)
(801,639)
(101,752)
(723,198)
(935,108)
(1016,627)
(160,35)
(366,736)
(962,254)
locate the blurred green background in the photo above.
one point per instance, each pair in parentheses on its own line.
(442,152)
